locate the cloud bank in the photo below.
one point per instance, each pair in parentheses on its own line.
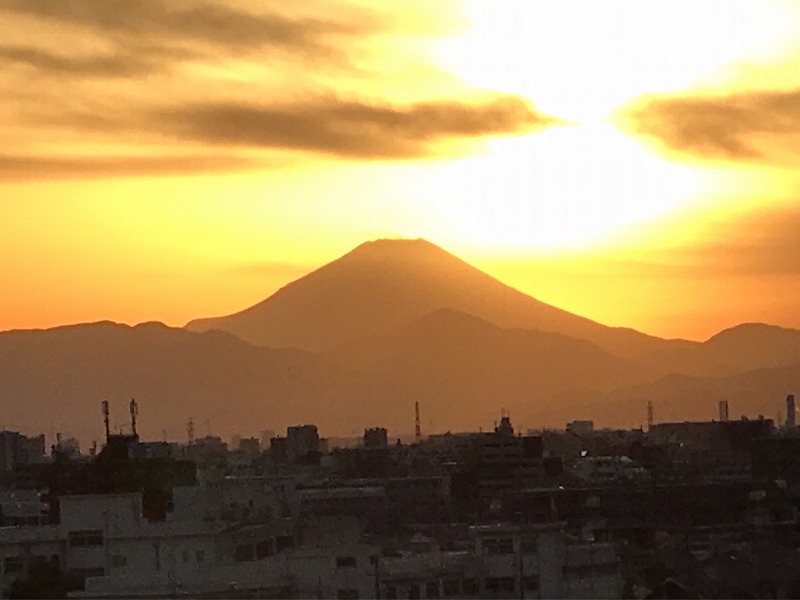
(214,77)
(756,126)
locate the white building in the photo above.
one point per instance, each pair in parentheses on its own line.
(507,561)
(609,469)
(105,539)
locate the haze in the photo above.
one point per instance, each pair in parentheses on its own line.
(631,163)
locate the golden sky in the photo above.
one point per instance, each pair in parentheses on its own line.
(633,162)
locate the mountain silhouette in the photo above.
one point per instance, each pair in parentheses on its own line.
(357,342)
(460,368)
(679,397)
(384,284)
(743,347)
(463,370)
(58,377)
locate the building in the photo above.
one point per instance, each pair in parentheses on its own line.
(506,561)
(376,438)
(580,427)
(105,542)
(17,449)
(302,442)
(602,470)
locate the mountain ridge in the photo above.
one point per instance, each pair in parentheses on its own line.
(383,284)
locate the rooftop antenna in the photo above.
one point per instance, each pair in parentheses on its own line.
(134,414)
(723,411)
(650,417)
(190,430)
(417,429)
(105,418)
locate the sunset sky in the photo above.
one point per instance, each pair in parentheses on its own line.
(632,162)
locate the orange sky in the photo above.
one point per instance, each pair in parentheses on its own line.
(632,163)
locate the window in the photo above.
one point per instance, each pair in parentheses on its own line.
(505,546)
(13,564)
(263,549)
(283,541)
(345,561)
(86,538)
(244,553)
(451,587)
(530,583)
(200,556)
(413,592)
(390,593)
(469,587)
(347,594)
(506,584)
(185,556)
(82,574)
(432,589)
(491,584)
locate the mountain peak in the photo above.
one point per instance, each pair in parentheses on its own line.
(388,283)
(752,332)
(398,248)
(396,243)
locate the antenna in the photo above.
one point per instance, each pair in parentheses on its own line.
(650,417)
(190,430)
(105,417)
(723,411)
(417,429)
(134,414)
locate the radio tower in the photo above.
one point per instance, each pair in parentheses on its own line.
(105,417)
(650,418)
(417,429)
(134,413)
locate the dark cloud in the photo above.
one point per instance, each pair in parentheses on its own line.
(153,71)
(18,167)
(118,65)
(752,126)
(197,21)
(350,129)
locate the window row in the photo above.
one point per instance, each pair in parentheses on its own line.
(455,588)
(262,549)
(85,538)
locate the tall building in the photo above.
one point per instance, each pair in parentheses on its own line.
(301,441)
(17,449)
(376,437)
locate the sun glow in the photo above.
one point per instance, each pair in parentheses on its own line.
(579,184)
(580,60)
(567,187)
